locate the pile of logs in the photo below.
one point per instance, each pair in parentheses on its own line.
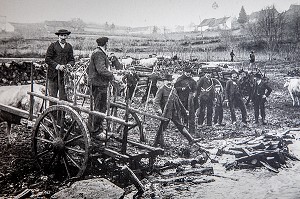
(294,72)
(269,150)
(14,73)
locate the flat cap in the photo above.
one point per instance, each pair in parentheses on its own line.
(101,41)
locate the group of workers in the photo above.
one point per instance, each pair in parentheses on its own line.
(174,100)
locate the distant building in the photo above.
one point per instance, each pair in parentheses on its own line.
(6,26)
(215,24)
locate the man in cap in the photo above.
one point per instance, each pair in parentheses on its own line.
(185,86)
(234,97)
(99,78)
(206,93)
(131,79)
(167,104)
(59,57)
(260,93)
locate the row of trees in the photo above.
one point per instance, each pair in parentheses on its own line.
(279,32)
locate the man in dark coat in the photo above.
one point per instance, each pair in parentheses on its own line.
(168,104)
(206,93)
(185,86)
(131,78)
(99,78)
(252,60)
(261,91)
(151,81)
(59,57)
(234,97)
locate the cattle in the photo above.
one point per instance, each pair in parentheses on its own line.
(16,96)
(293,86)
(148,62)
(126,61)
(115,63)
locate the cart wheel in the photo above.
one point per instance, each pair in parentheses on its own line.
(135,130)
(61,142)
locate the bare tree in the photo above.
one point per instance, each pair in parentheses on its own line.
(269,28)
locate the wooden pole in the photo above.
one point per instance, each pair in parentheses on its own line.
(31,97)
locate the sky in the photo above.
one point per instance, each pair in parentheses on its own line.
(133,13)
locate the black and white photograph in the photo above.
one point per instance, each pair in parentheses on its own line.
(150,99)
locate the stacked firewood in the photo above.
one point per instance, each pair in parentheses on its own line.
(14,73)
(269,150)
(294,72)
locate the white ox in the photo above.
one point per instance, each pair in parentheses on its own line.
(16,96)
(126,61)
(148,62)
(294,89)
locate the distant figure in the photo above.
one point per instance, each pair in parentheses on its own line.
(232,55)
(252,60)
(151,80)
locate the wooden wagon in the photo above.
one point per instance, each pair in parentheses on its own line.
(62,144)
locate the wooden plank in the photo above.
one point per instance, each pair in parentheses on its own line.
(80,108)
(115,154)
(14,111)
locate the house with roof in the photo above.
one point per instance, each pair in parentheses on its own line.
(223,23)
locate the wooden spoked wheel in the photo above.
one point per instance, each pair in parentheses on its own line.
(135,131)
(61,142)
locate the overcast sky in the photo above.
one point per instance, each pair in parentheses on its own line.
(132,12)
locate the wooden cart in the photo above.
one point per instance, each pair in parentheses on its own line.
(62,144)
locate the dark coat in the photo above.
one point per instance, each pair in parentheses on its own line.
(205,88)
(169,103)
(57,55)
(259,90)
(189,85)
(98,72)
(232,90)
(131,79)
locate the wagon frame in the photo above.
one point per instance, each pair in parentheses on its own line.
(61,141)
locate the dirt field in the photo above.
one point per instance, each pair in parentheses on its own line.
(18,170)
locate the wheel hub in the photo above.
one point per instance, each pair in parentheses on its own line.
(58,144)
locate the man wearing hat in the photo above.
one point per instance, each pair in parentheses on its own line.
(167,104)
(234,97)
(205,93)
(59,57)
(185,86)
(260,93)
(99,77)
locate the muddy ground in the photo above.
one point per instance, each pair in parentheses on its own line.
(18,170)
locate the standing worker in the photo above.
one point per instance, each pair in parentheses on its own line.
(131,78)
(185,86)
(206,93)
(252,60)
(232,55)
(99,78)
(235,99)
(59,57)
(261,91)
(167,104)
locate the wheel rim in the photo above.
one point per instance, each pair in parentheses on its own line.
(61,142)
(136,130)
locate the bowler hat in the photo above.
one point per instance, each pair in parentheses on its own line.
(63,32)
(258,75)
(101,41)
